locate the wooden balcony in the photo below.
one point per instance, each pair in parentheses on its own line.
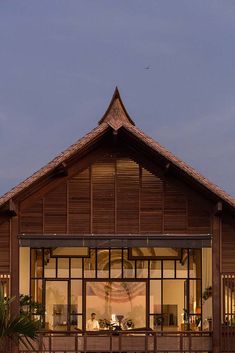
(122,341)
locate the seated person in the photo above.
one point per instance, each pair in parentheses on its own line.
(92,323)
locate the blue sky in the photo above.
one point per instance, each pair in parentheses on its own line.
(61,60)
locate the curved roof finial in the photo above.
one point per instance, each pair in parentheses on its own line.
(116,112)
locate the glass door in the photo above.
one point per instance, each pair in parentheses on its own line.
(56,305)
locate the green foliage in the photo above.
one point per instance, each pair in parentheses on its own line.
(15,328)
(31,309)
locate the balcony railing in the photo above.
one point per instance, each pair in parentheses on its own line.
(119,341)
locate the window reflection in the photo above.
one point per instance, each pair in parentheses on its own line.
(117,302)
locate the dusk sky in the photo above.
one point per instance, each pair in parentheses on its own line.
(61,60)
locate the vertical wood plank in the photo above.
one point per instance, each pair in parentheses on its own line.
(216,282)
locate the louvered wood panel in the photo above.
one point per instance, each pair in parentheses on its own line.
(175,207)
(228,245)
(55,211)
(151,203)
(5,247)
(79,203)
(127,196)
(199,214)
(31,219)
(103,192)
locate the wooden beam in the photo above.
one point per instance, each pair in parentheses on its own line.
(61,171)
(9,210)
(216,282)
(114,241)
(218,208)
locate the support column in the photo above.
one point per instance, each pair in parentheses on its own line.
(14,258)
(216,281)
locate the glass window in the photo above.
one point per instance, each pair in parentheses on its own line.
(182,268)
(90,265)
(151,253)
(168,269)
(155,269)
(63,268)
(117,302)
(103,263)
(49,267)
(56,314)
(195,297)
(76,297)
(141,269)
(195,265)
(76,268)
(75,321)
(36,263)
(155,297)
(173,304)
(128,266)
(70,252)
(116,263)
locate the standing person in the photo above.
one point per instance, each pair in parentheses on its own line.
(92,323)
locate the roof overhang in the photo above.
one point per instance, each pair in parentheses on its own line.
(116,240)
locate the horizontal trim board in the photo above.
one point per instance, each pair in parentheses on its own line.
(117,240)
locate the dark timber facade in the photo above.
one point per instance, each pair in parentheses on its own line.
(118,225)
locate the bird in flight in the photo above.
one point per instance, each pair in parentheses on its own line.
(147,67)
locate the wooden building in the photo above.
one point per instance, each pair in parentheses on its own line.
(119,226)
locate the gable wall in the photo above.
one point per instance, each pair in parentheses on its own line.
(117,195)
(5,247)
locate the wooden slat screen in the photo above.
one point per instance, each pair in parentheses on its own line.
(79,203)
(5,247)
(103,195)
(55,211)
(127,196)
(151,203)
(175,207)
(199,211)
(31,220)
(117,195)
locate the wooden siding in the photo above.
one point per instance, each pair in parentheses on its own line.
(151,203)
(127,196)
(118,195)
(55,211)
(79,207)
(5,247)
(228,244)
(175,208)
(32,219)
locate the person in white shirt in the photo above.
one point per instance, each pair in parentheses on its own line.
(92,324)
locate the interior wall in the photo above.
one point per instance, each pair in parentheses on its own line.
(24,270)
(173,294)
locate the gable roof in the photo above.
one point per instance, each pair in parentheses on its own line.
(117,117)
